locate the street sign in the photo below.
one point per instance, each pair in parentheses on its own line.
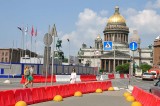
(47,39)
(107,45)
(133,46)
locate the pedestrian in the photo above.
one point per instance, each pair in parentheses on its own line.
(31,70)
(29,77)
(26,75)
(73,76)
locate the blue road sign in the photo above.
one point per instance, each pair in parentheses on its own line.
(133,46)
(107,45)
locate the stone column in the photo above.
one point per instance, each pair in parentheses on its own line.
(118,62)
(104,64)
(109,67)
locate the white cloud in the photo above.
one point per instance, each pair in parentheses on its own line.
(153,4)
(88,26)
(147,23)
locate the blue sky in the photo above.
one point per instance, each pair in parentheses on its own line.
(79,20)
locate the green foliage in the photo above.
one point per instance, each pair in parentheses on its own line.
(145,67)
(101,70)
(124,68)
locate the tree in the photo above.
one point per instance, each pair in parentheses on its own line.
(124,68)
(145,67)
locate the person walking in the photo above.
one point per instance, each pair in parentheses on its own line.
(26,75)
(29,77)
(73,76)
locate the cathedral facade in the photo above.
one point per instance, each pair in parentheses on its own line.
(117,32)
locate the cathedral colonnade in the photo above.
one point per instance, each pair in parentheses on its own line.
(108,64)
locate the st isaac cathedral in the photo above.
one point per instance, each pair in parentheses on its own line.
(117,32)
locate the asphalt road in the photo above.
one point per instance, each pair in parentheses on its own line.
(107,98)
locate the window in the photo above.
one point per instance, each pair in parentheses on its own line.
(6,54)
(2,53)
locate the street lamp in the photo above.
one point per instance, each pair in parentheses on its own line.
(90,55)
(68,51)
(114,67)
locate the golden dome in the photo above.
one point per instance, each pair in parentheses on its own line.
(98,37)
(116,18)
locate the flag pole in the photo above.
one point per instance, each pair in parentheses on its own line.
(31,49)
(26,33)
(23,41)
(32,33)
(35,49)
(21,51)
(35,44)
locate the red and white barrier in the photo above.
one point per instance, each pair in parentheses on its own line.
(113,76)
(80,78)
(60,78)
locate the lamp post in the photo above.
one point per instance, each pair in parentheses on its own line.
(90,55)
(68,51)
(53,34)
(114,66)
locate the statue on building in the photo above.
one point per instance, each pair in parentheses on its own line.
(58,44)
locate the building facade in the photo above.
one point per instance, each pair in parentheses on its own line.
(156,52)
(117,32)
(8,55)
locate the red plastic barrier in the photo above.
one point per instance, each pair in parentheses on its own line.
(42,94)
(88,78)
(39,94)
(135,92)
(111,76)
(90,87)
(20,95)
(72,89)
(82,87)
(2,99)
(37,78)
(7,98)
(29,95)
(96,85)
(22,80)
(147,99)
(43,79)
(23,94)
(104,86)
(55,91)
(35,95)
(109,84)
(49,93)
(121,75)
(158,101)
(63,90)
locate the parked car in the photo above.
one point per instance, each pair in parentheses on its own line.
(148,76)
(155,89)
